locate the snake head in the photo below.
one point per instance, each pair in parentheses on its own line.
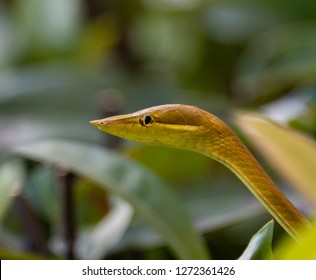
(172,125)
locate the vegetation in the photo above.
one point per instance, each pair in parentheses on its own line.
(69,191)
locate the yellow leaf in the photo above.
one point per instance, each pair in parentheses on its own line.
(303,250)
(292,154)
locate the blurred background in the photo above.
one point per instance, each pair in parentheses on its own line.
(69,191)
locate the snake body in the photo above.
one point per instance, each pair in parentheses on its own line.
(191,128)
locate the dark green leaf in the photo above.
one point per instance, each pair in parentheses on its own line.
(151,197)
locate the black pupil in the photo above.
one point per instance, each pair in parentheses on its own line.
(147,120)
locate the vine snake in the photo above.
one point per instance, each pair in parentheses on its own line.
(191,128)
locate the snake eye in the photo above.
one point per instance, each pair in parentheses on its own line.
(146,120)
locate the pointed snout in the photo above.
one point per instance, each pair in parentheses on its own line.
(102,124)
(116,125)
(98,123)
(95,122)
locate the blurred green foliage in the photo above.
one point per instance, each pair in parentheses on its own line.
(63,63)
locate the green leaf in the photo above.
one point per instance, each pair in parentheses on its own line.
(292,154)
(204,184)
(11,178)
(259,247)
(157,203)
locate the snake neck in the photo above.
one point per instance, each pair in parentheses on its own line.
(225,147)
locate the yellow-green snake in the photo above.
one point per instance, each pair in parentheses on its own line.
(191,128)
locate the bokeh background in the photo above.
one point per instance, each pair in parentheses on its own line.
(69,191)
